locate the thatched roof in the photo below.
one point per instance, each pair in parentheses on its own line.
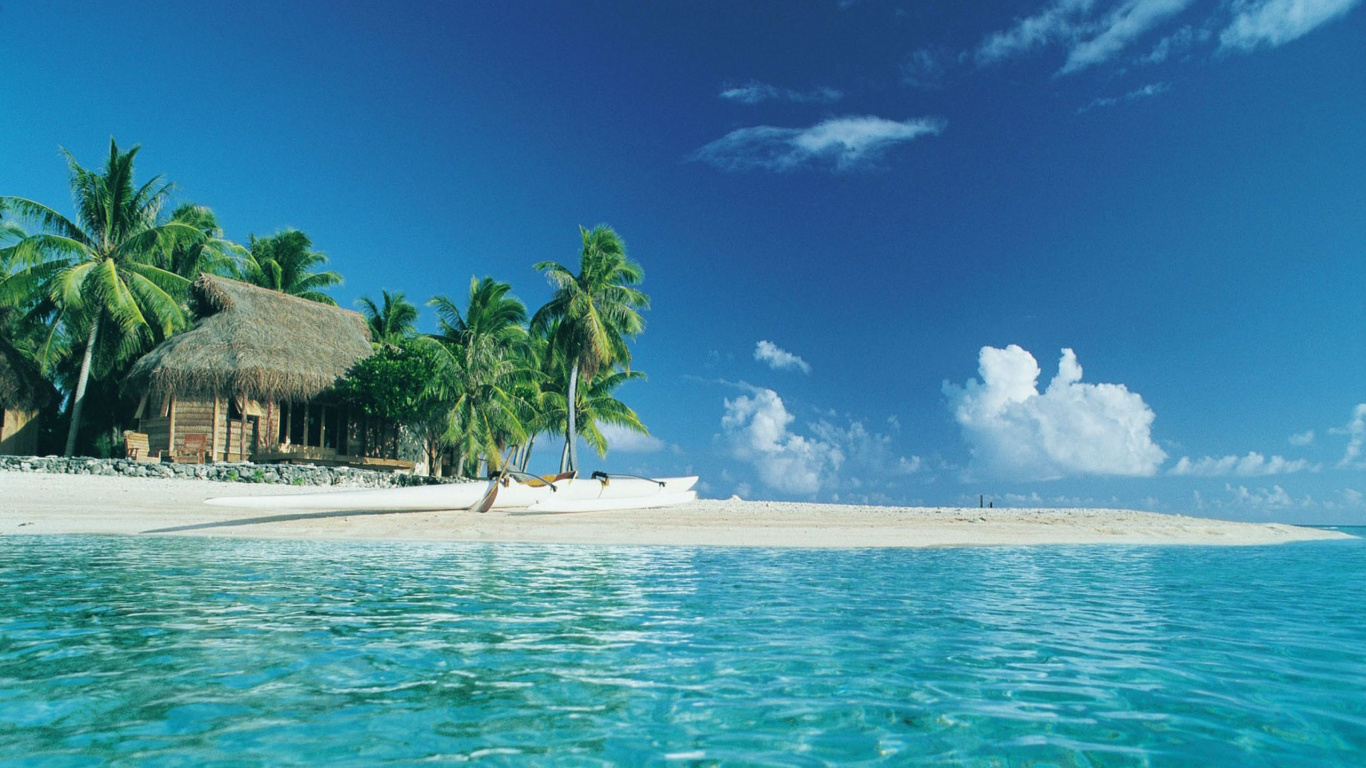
(22,387)
(255,343)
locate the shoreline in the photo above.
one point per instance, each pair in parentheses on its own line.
(46,504)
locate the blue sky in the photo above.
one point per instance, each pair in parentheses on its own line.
(864,225)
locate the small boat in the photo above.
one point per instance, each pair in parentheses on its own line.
(514,491)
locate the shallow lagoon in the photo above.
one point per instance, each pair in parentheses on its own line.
(183,651)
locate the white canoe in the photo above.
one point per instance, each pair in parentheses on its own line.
(568,495)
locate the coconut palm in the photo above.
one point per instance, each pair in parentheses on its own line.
(285,262)
(598,310)
(100,269)
(479,363)
(394,319)
(211,253)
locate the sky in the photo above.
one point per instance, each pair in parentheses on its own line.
(1042,253)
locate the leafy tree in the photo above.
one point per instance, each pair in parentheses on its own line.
(286,262)
(394,319)
(597,311)
(480,370)
(395,384)
(100,270)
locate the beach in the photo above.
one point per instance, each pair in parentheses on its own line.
(36,503)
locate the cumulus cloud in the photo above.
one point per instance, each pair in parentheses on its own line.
(842,143)
(624,440)
(778,358)
(1272,23)
(1274,497)
(1069,429)
(755,92)
(756,428)
(1252,465)
(1356,434)
(1303,438)
(1147,91)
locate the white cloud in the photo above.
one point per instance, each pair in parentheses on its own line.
(1262,498)
(1118,29)
(1356,432)
(1252,465)
(778,358)
(1303,438)
(922,69)
(1069,429)
(755,92)
(844,143)
(1147,91)
(1275,22)
(624,440)
(1060,21)
(1175,44)
(756,429)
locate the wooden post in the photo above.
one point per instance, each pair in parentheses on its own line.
(322,425)
(242,444)
(213,445)
(170,427)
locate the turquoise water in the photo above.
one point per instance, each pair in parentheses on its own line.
(179,652)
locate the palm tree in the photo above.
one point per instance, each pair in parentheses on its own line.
(598,311)
(211,253)
(100,270)
(284,262)
(480,368)
(395,319)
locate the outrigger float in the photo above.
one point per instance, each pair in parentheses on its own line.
(507,490)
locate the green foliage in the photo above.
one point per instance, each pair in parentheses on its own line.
(285,262)
(591,315)
(98,277)
(232,476)
(394,319)
(394,382)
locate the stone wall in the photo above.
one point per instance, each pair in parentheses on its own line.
(228,472)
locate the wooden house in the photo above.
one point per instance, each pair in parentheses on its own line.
(252,381)
(23,393)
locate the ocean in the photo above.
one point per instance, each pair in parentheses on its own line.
(193,652)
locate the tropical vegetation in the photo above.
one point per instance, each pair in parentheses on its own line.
(85,296)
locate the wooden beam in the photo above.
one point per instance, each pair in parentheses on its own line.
(213,444)
(170,427)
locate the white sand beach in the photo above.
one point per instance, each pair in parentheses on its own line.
(34,503)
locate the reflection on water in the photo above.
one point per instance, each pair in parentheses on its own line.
(124,651)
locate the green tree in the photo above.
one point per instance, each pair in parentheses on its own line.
(481,369)
(395,384)
(597,311)
(394,319)
(100,269)
(210,253)
(286,262)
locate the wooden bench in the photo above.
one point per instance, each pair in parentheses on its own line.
(135,447)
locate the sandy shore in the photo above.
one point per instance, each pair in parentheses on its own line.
(57,504)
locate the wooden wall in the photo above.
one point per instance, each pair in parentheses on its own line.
(18,432)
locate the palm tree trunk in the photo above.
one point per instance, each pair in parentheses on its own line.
(570,405)
(564,457)
(80,387)
(526,453)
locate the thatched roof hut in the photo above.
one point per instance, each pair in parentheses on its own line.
(22,386)
(255,344)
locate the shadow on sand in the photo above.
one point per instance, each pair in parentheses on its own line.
(281,519)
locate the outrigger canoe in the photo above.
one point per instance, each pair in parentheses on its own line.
(520,491)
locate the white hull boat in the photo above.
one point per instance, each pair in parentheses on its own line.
(530,494)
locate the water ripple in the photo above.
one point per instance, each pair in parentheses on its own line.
(122,651)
